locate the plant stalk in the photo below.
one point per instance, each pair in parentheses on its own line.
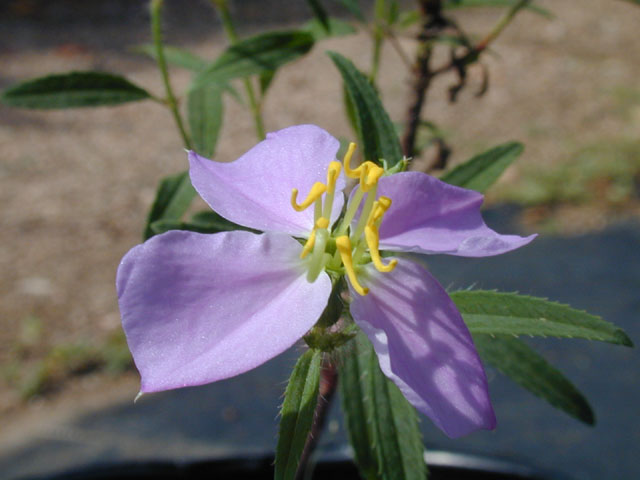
(328,385)
(171,102)
(501,25)
(230,30)
(431,21)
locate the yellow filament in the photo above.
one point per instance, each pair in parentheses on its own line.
(333,173)
(311,241)
(369,175)
(372,236)
(322,222)
(347,162)
(316,192)
(343,244)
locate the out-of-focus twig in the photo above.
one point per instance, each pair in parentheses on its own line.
(227,23)
(432,24)
(171,102)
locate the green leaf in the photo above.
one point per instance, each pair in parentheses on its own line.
(265,80)
(260,53)
(205,111)
(202,222)
(375,129)
(175,56)
(354,8)
(491,312)
(528,369)
(173,197)
(382,425)
(299,405)
(408,18)
(337,28)
(320,13)
(74,89)
(452,4)
(482,170)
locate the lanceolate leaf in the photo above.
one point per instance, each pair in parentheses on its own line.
(482,170)
(205,111)
(353,373)
(300,401)
(377,133)
(528,369)
(493,312)
(337,28)
(175,56)
(173,197)
(254,55)
(354,8)
(382,425)
(75,89)
(320,13)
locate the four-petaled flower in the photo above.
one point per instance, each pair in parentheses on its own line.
(199,308)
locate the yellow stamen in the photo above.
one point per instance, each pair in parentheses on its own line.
(316,192)
(372,236)
(347,162)
(311,241)
(343,244)
(370,175)
(322,222)
(378,211)
(333,172)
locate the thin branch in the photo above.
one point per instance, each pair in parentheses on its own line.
(328,385)
(432,24)
(171,102)
(229,28)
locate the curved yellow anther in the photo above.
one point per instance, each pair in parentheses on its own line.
(378,211)
(384,203)
(308,246)
(333,172)
(369,175)
(347,163)
(343,244)
(316,192)
(372,237)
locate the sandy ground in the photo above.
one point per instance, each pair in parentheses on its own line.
(75,185)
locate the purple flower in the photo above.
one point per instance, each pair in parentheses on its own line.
(200,308)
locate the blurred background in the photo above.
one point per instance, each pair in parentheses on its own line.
(76,185)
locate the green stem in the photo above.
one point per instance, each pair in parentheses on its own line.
(171,102)
(230,31)
(502,24)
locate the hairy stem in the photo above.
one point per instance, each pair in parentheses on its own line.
(171,102)
(328,385)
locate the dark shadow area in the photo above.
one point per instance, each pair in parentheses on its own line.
(237,417)
(118,24)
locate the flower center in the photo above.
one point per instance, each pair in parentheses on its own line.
(345,247)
